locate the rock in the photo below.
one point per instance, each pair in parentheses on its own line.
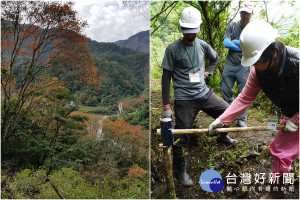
(251,154)
(219,164)
(241,160)
(261,146)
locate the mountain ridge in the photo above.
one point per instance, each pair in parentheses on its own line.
(138,42)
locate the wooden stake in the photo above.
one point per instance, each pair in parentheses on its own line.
(221,130)
(168,172)
(154,171)
(167,154)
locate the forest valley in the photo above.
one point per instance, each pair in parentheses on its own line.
(49,146)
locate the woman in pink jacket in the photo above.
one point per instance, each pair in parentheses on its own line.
(276,72)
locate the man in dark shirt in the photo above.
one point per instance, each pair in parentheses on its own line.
(184,63)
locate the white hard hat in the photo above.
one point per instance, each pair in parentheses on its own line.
(247,7)
(254,39)
(190,18)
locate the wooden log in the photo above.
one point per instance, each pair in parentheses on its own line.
(168,172)
(54,187)
(221,130)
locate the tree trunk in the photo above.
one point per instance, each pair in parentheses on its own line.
(204,7)
(54,187)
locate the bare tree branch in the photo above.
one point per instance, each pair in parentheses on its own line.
(267,17)
(237,11)
(173,4)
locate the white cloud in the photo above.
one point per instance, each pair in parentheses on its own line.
(109,21)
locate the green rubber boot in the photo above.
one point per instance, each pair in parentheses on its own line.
(179,167)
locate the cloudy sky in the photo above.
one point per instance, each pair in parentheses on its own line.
(111,20)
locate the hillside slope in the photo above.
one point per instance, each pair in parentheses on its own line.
(125,72)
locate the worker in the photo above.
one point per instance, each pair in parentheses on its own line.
(276,72)
(184,63)
(233,70)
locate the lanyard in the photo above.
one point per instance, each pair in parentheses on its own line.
(193,64)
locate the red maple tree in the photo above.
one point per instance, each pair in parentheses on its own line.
(37,37)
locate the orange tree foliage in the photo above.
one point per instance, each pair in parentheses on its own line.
(131,104)
(53,110)
(135,171)
(141,99)
(47,34)
(129,136)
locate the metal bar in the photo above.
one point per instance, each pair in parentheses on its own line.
(221,130)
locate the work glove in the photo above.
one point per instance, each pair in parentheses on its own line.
(167,113)
(290,126)
(216,124)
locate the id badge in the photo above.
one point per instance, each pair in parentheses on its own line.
(194,77)
(272,122)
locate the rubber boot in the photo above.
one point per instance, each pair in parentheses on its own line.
(224,138)
(278,194)
(179,167)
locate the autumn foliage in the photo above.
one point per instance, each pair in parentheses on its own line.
(141,99)
(46,64)
(40,39)
(133,138)
(135,171)
(132,103)
(124,133)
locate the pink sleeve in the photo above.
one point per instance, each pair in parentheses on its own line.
(295,118)
(243,101)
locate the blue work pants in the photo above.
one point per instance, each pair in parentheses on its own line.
(232,74)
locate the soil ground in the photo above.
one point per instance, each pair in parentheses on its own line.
(203,153)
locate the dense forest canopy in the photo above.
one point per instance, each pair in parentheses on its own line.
(49,73)
(124,71)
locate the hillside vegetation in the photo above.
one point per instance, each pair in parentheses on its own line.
(58,90)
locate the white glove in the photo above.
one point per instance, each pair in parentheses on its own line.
(290,126)
(216,124)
